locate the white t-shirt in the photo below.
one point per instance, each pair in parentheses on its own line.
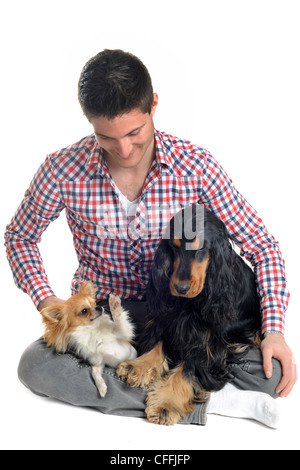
(129,206)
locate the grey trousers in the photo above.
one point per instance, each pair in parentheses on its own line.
(67,378)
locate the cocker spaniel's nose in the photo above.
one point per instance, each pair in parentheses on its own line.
(182,288)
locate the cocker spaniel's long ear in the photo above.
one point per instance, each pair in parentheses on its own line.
(220,282)
(160,274)
(220,247)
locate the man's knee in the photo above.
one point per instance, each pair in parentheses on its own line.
(248,374)
(31,364)
(269,385)
(67,378)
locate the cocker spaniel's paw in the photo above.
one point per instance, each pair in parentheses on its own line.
(145,369)
(170,399)
(136,374)
(163,416)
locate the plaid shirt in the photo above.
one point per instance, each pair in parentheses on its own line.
(117,256)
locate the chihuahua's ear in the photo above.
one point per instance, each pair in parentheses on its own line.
(88,289)
(52,314)
(55,327)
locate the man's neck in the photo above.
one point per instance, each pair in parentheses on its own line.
(130,180)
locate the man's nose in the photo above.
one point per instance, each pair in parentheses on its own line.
(124,147)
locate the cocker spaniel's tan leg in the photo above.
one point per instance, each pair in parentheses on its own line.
(145,369)
(170,399)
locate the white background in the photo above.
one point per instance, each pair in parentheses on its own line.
(227,74)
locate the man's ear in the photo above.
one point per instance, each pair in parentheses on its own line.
(88,289)
(154,104)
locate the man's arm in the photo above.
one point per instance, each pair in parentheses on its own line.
(52,300)
(261,249)
(257,245)
(40,206)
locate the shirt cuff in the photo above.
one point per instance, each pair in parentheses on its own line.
(273,322)
(273,333)
(38,290)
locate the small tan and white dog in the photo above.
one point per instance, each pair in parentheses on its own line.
(92,334)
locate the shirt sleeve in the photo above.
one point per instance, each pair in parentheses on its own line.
(257,245)
(40,206)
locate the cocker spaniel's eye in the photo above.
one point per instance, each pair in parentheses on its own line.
(84,312)
(201,254)
(176,243)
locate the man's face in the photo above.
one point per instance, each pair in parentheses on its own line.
(128,139)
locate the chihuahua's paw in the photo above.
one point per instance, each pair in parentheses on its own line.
(99,381)
(102,389)
(115,306)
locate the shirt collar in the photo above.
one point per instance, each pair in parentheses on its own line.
(93,151)
(162,150)
(95,157)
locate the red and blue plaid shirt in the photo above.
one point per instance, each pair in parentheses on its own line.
(117,256)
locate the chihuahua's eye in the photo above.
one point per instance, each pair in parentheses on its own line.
(84,312)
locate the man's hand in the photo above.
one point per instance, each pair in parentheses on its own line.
(274,345)
(52,300)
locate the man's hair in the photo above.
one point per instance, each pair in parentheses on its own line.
(114,82)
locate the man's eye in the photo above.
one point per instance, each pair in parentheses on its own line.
(103,137)
(84,312)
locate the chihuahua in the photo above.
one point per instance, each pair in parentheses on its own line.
(81,326)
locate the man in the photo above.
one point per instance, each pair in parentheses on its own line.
(120,187)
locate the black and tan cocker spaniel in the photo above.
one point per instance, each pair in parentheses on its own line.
(203,314)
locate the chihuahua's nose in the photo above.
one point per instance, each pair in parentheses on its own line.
(98,306)
(182,289)
(98,311)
